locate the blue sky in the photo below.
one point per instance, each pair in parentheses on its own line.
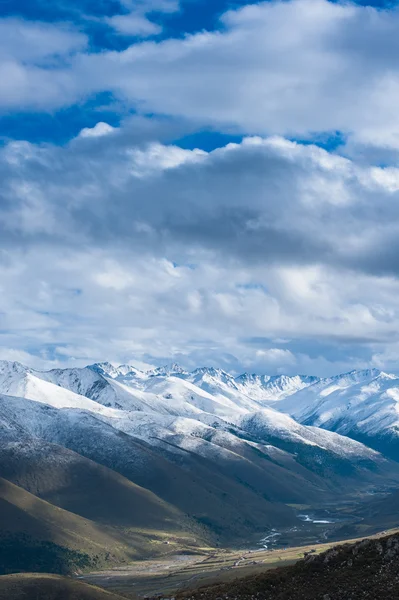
(209,182)
(58,126)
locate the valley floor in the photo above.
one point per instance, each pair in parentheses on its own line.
(183,572)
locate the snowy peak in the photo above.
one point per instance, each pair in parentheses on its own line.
(357,376)
(10,371)
(365,400)
(209,374)
(167,371)
(357,403)
(108,370)
(268,388)
(8,366)
(104,368)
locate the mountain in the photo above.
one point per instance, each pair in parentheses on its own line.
(367,569)
(334,457)
(178,476)
(184,457)
(49,587)
(222,385)
(109,370)
(363,405)
(167,370)
(266,388)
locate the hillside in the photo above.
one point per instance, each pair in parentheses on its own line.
(36,535)
(84,487)
(49,587)
(367,570)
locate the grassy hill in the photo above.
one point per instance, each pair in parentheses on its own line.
(49,587)
(86,488)
(36,535)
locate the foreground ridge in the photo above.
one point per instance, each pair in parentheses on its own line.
(368,569)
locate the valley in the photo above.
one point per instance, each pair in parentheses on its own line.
(182,573)
(104,467)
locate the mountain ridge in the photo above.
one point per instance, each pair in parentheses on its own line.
(224,461)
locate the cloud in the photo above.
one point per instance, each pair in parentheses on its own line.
(264,201)
(35,42)
(288,68)
(255,256)
(134,24)
(98,130)
(35,66)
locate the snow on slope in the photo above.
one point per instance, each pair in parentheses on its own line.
(16,380)
(221,385)
(121,372)
(113,393)
(176,390)
(269,422)
(167,370)
(266,388)
(208,400)
(367,401)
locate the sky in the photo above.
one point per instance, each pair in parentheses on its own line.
(212,183)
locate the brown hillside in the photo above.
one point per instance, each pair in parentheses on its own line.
(49,587)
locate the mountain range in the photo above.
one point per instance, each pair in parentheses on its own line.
(110,463)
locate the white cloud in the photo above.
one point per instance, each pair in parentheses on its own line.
(98,130)
(35,67)
(257,256)
(134,24)
(35,42)
(287,68)
(149,6)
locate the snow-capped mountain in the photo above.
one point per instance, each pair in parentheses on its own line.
(109,370)
(209,375)
(266,388)
(366,400)
(221,385)
(269,424)
(167,370)
(245,446)
(361,404)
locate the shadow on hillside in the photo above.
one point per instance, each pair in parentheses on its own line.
(21,553)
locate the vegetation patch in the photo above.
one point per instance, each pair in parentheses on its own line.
(21,553)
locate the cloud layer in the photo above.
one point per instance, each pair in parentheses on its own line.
(289,68)
(267,255)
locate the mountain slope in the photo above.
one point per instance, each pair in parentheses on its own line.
(337,459)
(362,405)
(19,381)
(67,541)
(189,482)
(266,388)
(49,587)
(176,453)
(79,485)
